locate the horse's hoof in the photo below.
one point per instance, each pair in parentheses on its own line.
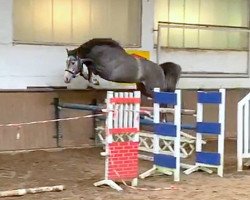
(95,82)
(90,87)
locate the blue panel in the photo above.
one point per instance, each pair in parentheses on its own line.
(163,160)
(208,127)
(209,97)
(165,98)
(165,129)
(209,158)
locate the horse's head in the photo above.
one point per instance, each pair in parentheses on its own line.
(73,67)
(172,73)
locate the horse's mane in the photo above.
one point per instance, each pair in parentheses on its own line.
(86,47)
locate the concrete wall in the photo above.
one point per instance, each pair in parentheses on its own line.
(43,66)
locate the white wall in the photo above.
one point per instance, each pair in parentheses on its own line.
(208,61)
(37,65)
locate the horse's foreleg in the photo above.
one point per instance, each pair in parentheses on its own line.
(89,76)
(85,72)
(94,80)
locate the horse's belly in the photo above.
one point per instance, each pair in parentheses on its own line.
(124,74)
(117,73)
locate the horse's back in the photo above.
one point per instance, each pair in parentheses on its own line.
(114,64)
(89,45)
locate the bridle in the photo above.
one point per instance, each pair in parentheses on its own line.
(72,60)
(79,62)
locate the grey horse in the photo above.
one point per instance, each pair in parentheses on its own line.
(106,58)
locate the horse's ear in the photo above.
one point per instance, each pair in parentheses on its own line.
(67,51)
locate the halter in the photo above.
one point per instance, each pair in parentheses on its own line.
(79,62)
(69,61)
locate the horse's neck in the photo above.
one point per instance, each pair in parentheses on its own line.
(86,48)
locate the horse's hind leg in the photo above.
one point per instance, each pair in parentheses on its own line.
(172,73)
(144,90)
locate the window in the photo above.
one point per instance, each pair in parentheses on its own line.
(76,21)
(212,12)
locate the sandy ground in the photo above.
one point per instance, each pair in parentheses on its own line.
(79,169)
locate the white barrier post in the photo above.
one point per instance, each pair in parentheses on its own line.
(243,151)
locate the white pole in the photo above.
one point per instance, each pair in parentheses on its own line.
(177,148)
(221,137)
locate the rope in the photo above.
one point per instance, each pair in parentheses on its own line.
(172,187)
(47,121)
(62,119)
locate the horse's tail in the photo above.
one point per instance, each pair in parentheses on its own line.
(172,73)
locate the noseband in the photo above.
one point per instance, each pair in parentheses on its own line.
(74,75)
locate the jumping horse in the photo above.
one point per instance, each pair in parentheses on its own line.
(106,58)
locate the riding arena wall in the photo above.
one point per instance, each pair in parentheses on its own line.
(26,106)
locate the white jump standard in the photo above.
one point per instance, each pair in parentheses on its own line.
(206,160)
(243,127)
(123,118)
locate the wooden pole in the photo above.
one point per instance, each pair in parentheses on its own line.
(21,192)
